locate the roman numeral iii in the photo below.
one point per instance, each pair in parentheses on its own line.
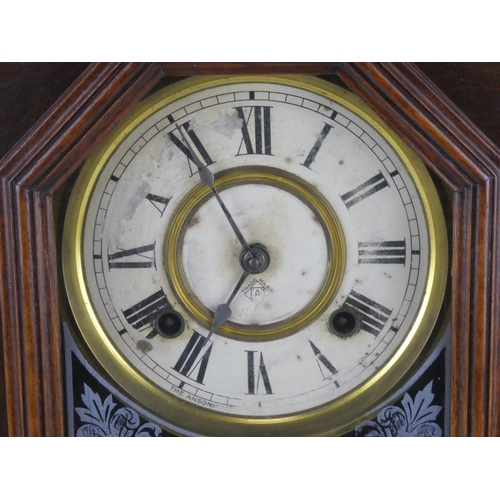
(382,252)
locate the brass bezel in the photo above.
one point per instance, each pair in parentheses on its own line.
(302,190)
(332,418)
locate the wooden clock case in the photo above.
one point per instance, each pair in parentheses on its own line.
(31,374)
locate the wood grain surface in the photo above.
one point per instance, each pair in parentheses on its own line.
(27,90)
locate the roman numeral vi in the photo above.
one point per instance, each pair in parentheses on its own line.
(257,373)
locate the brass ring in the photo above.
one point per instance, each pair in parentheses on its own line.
(294,185)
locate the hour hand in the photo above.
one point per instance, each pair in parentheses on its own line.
(221,315)
(223,311)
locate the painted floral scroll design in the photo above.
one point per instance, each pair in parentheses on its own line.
(103,419)
(415,418)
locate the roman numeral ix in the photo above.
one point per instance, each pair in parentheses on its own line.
(382,252)
(257,132)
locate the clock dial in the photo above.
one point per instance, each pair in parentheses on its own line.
(255,256)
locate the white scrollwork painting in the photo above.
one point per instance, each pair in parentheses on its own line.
(102,419)
(415,418)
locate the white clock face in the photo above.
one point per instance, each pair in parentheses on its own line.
(342,293)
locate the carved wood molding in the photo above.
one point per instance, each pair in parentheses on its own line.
(468,163)
(59,143)
(30,174)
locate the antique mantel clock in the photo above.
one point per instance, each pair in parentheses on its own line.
(252,251)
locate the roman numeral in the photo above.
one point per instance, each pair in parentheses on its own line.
(373,316)
(323,361)
(145,254)
(144,312)
(195,144)
(257,373)
(159,202)
(319,141)
(259,128)
(191,362)
(382,252)
(366,189)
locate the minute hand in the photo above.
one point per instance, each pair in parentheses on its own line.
(207,177)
